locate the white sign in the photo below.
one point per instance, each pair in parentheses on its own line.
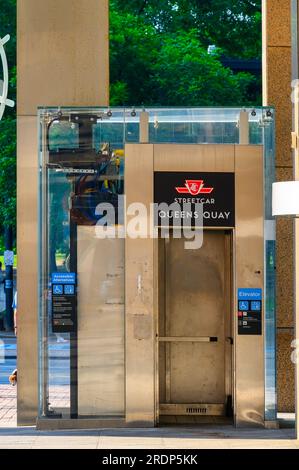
(8,258)
(285,198)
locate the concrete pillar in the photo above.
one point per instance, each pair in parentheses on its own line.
(63,60)
(295,146)
(277,61)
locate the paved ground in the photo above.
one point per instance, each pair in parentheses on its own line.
(8,406)
(8,394)
(192,437)
(59,398)
(59,375)
(195,437)
(199,437)
(189,437)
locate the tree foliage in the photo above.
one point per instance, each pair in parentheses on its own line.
(8,171)
(8,26)
(232,25)
(8,123)
(186,74)
(159,52)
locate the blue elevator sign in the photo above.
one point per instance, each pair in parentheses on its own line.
(250,311)
(250,294)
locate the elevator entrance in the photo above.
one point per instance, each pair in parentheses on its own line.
(137,329)
(195,327)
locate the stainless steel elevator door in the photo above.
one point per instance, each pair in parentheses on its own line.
(193,324)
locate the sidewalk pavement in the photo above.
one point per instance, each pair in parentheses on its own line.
(8,406)
(167,437)
(180,437)
(58,395)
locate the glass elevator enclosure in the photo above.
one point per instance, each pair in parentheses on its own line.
(82,319)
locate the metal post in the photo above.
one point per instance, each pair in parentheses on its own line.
(295,136)
(244,128)
(296,260)
(9,323)
(144,128)
(74,335)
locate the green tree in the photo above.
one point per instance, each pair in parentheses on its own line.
(133,51)
(186,74)
(8,26)
(158,56)
(157,66)
(8,172)
(8,123)
(232,25)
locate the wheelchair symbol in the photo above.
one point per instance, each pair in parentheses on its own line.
(58,290)
(243,305)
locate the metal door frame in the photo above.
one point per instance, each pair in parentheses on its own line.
(229,331)
(247,162)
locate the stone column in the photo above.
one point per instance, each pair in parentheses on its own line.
(63,60)
(277,58)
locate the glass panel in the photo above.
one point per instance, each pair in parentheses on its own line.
(82,165)
(82,275)
(63,135)
(270,261)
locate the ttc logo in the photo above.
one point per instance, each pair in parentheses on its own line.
(194,187)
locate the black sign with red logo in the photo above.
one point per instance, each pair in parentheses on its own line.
(185,192)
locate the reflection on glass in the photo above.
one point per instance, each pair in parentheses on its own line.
(81,166)
(270,277)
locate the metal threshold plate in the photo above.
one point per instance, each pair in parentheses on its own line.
(188,339)
(196,409)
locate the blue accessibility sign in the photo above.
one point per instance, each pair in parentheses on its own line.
(244,305)
(58,289)
(250,294)
(256,305)
(63,278)
(69,289)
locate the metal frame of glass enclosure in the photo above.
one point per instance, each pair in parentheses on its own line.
(82,164)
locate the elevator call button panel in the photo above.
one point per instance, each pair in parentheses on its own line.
(250,311)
